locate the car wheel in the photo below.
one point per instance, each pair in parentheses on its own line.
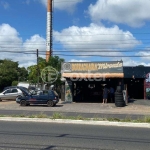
(50,103)
(23,103)
(0,99)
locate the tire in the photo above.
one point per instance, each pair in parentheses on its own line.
(116,94)
(119,105)
(23,103)
(118,99)
(50,103)
(0,99)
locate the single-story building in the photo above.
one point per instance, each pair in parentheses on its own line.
(84,81)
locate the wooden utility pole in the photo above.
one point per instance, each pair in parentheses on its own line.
(37,53)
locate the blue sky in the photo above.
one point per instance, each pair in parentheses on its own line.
(104,28)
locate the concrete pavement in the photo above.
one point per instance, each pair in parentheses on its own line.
(139,107)
(135,107)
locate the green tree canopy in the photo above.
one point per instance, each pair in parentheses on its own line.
(9,72)
(54,62)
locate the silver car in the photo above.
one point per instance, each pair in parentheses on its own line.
(10,94)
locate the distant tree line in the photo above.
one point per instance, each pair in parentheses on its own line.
(11,73)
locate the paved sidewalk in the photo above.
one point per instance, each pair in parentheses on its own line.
(141,107)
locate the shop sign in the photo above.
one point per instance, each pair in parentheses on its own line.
(147,86)
(68,91)
(93,67)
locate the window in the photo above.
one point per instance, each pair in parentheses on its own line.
(7,91)
(14,91)
(45,92)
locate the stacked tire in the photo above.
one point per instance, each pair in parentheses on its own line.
(119,101)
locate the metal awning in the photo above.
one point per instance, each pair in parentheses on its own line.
(93,75)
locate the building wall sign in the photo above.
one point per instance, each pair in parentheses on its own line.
(147,86)
(92,67)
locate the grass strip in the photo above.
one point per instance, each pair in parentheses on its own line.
(57,115)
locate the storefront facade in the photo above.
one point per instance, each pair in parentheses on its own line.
(84,81)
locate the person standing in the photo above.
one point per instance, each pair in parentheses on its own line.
(112,91)
(105,94)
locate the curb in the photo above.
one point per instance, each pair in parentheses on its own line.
(83,122)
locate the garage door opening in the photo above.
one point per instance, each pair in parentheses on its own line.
(92,91)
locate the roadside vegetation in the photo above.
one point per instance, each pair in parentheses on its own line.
(145,119)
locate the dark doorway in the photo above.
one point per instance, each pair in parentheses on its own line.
(92,91)
(135,88)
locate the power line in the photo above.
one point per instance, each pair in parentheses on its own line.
(64,51)
(103,55)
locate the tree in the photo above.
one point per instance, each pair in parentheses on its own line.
(54,62)
(140,66)
(9,72)
(14,83)
(35,71)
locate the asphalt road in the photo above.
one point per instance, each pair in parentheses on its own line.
(42,136)
(85,115)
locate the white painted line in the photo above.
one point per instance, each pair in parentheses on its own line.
(86,122)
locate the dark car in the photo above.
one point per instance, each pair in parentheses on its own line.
(48,97)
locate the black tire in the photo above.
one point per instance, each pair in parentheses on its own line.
(50,103)
(23,103)
(119,105)
(119,98)
(118,94)
(120,102)
(0,99)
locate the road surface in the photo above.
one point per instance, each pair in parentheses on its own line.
(53,136)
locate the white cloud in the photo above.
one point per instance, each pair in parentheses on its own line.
(95,38)
(10,41)
(131,62)
(4,4)
(9,38)
(35,42)
(131,12)
(76,60)
(68,5)
(145,55)
(27,2)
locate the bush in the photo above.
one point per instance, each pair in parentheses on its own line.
(14,83)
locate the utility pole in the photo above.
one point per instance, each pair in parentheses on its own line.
(37,53)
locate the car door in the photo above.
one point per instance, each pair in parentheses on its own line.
(14,93)
(43,97)
(6,94)
(34,98)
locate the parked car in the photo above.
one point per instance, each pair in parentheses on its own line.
(48,97)
(10,87)
(11,93)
